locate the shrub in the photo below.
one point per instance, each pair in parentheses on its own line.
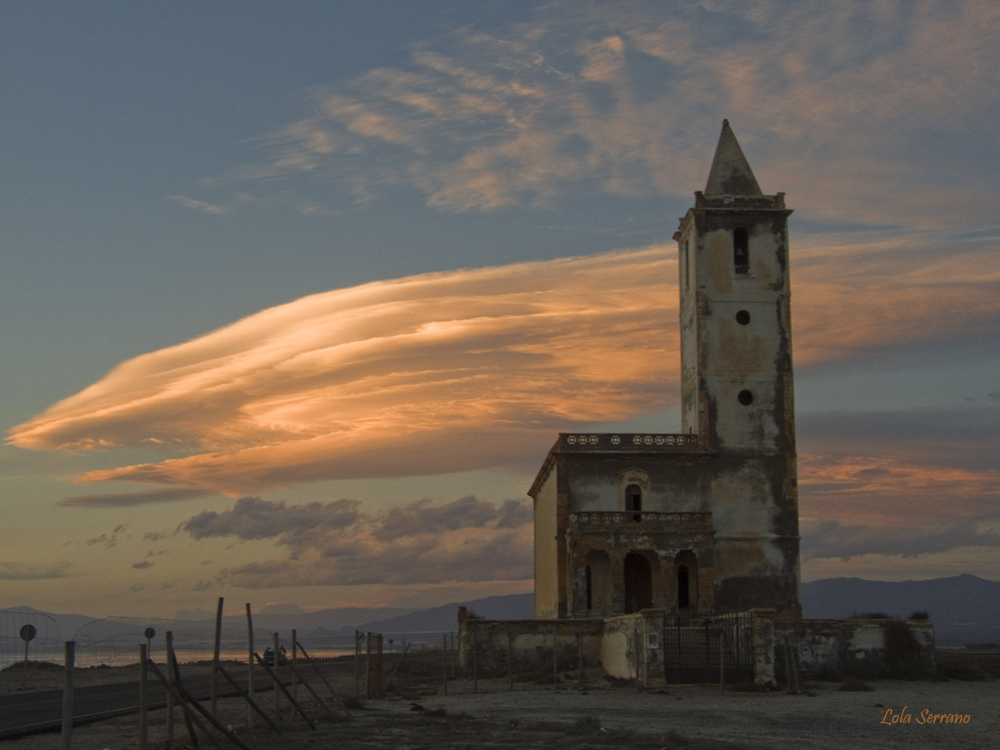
(870,616)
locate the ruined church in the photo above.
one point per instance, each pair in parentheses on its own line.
(705,520)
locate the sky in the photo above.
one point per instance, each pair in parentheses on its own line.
(295,298)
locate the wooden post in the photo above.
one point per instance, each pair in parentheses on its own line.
(177,683)
(295,661)
(368,664)
(555,659)
(638,657)
(284,690)
(406,647)
(444,663)
(510,659)
(357,664)
(250,712)
(276,659)
(215,660)
(722,661)
(169,636)
(143,696)
(69,658)
(475,661)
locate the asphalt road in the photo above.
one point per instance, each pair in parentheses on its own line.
(41,711)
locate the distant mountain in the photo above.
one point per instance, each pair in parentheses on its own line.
(445,618)
(325,619)
(964,609)
(52,626)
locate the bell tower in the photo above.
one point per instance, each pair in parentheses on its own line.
(736,377)
(736,353)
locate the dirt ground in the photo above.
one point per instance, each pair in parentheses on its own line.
(600,715)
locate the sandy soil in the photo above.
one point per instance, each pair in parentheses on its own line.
(690,717)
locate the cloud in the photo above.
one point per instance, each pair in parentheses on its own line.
(142,565)
(106,540)
(198,205)
(831,539)
(425,374)
(475,368)
(133,498)
(334,544)
(917,468)
(589,98)
(20,571)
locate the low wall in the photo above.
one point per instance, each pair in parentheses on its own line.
(747,646)
(864,648)
(526,646)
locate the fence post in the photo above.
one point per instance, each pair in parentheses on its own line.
(215,659)
(250,711)
(444,662)
(579,660)
(722,661)
(67,705)
(475,660)
(275,660)
(295,661)
(510,658)
(555,660)
(357,664)
(143,696)
(169,636)
(638,657)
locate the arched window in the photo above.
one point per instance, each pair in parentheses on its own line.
(633,499)
(741,251)
(683,588)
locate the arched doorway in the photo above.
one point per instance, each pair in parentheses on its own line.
(686,578)
(638,582)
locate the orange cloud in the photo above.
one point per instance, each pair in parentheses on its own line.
(467,369)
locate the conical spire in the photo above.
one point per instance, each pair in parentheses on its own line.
(731,173)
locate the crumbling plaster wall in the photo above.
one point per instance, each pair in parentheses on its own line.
(546,549)
(834,648)
(529,642)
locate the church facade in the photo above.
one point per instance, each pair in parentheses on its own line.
(705,520)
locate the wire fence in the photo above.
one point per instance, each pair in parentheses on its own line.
(115,641)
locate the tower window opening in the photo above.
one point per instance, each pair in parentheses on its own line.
(633,499)
(745,397)
(741,251)
(743,317)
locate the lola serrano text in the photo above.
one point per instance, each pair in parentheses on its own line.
(924,717)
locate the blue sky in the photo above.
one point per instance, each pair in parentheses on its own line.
(519,169)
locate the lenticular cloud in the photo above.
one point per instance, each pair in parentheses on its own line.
(431,373)
(469,369)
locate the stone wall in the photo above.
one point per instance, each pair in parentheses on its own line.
(863,648)
(527,646)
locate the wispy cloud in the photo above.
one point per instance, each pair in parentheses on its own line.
(22,571)
(197,205)
(336,544)
(856,106)
(828,539)
(126,499)
(918,468)
(468,369)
